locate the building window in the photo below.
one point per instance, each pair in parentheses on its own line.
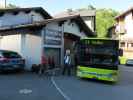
(122,44)
(131,44)
(69,22)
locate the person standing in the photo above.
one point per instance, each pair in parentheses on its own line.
(42,65)
(67,63)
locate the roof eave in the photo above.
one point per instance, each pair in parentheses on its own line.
(79,21)
(44,13)
(124,13)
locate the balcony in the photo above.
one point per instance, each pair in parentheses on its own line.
(120,29)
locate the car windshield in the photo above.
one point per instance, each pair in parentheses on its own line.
(9,54)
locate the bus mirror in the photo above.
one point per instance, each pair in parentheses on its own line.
(120,52)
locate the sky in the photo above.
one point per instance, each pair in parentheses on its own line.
(56,6)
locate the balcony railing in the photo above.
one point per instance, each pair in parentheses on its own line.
(121,29)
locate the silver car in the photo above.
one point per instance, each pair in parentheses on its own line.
(129,62)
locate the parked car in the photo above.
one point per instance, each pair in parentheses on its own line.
(10,60)
(129,62)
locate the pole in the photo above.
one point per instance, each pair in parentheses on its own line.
(42,50)
(62,45)
(5,3)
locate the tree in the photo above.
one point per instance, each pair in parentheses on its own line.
(104,20)
(12,6)
(89,7)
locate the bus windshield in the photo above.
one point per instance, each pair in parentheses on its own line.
(97,54)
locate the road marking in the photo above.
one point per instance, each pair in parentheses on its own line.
(25,91)
(60,91)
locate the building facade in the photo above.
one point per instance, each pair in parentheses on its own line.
(124,32)
(89,16)
(112,32)
(2,3)
(33,33)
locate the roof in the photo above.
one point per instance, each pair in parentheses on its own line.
(82,13)
(87,12)
(76,18)
(124,13)
(37,9)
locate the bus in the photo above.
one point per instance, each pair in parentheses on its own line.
(98,59)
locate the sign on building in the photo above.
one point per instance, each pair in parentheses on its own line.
(53,37)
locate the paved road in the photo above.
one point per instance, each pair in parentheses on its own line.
(78,89)
(42,88)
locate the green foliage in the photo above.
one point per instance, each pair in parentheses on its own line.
(12,6)
(89,7)
(104,20)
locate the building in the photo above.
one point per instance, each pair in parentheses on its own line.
(89,16)
(2,3)
(32,32)
(124,29)
(112,33)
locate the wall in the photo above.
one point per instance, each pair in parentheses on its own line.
(31,49)
(21,18)
(29,46)
(2,3)
(129,24)
(73,28)
(68,28)
(54,26)
(54,50)
(90,21)
(10,42)
(126,24)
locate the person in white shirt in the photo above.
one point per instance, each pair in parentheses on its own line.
(67,63)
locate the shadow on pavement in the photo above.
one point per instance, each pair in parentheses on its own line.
(98,81)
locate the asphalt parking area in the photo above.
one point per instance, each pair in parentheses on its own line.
(30,86)
(27,86)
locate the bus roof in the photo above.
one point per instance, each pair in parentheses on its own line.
(99,39)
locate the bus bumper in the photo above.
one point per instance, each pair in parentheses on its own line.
(97,73)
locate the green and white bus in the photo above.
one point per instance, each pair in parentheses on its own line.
(98,59)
